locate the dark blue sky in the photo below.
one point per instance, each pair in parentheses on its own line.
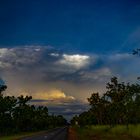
(61,51)
(74,25)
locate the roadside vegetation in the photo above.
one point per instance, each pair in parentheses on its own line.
(22,135)
(114,114)
(17,115)
(104,132)
(120,104)
(19,135)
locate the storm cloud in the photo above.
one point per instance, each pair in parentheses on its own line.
(59,79)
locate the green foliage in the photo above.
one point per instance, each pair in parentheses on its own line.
(20,135)
(105,132)
(17,115)
(2,88)
(120,104)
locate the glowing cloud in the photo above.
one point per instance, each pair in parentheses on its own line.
(54,54)
(3,51)
(53,95)
(76,61)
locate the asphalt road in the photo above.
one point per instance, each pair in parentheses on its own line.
(56,134)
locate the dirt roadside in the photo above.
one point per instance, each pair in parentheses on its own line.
(72,134)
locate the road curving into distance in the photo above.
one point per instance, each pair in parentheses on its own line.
(55,134)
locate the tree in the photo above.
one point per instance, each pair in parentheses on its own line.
(18,115)
(136,52)
(118,105)
(96,105)
(2,88)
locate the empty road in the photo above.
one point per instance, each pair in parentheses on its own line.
(56,134)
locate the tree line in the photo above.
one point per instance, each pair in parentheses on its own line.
(17,115)
(120,104)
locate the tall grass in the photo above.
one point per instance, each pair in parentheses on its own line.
(132,130)
(20,135)
(106,132)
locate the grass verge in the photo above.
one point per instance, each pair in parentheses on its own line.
(20,135)
(26,134)
(104,132)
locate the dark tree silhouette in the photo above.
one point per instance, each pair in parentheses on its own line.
(118,105)
(2,88)
(136,52)
(17,115)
